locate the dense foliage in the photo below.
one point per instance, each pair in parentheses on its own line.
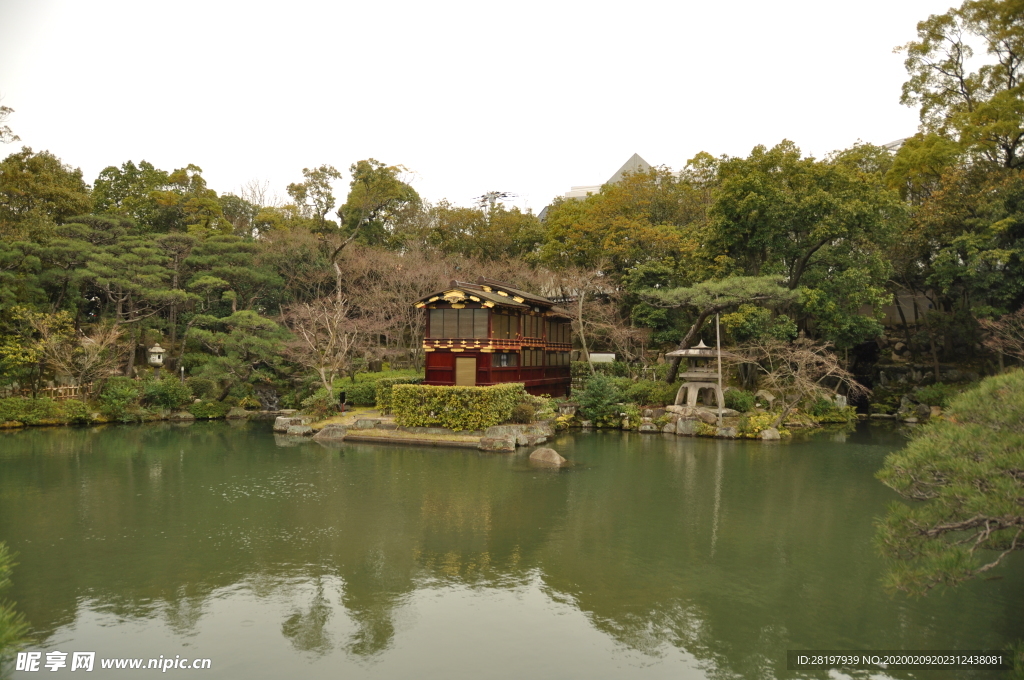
(456,408)
(967,472)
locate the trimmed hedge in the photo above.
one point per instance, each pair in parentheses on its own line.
(457,408)
(359,394)
(384,392)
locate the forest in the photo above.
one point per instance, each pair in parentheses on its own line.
(251,295)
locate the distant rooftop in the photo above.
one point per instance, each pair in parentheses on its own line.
(633,165)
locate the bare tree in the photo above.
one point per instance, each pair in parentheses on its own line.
(797,371)
(87,358)
(7,135)
(326,336)
(1006,335)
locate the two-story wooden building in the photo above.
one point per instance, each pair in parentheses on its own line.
(487,332)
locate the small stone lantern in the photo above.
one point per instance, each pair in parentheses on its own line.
(156,355)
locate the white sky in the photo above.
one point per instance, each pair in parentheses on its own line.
(522,96)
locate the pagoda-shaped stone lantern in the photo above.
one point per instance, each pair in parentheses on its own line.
(156,356)
(702,374)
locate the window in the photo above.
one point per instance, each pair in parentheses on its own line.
(458,323)
(503,359)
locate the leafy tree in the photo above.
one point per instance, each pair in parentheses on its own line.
(241,349)
(711,297)
(494,234)
(315,197)
(13,626)
(130,191)
(190,205)
(37,192)
(983,110)
(965,470)
(7,135)
(377,201)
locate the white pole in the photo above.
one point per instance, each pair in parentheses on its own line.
(718,344)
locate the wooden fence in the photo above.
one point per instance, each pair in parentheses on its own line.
(58,393)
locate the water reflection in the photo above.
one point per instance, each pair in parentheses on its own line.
(717,554)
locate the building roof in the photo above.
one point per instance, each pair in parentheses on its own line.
(495,292)
(634,165)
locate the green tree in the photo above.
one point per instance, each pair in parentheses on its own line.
(711,297)
(190,205)
(498,233)
(314,196)
(129,191)
(983,109)
(378,200)
(241,349)
(13,626)
(37,192)
(965,472)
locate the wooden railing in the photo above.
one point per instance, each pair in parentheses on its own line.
(58,393)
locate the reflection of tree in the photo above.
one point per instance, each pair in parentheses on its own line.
(626,537)
(305,629)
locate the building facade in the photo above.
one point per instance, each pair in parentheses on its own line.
(487,332)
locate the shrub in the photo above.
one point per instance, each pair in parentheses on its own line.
(359,394)
(457,408)
(739,400)
(167,393)
(120,399)
(937,394)
(523,413)
(36,411)
(320,405)
(384,392)
(13,626)
(821,407)
(599,398)
(202,388)
(209,409)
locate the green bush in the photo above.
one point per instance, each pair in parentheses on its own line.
(320,405)
(457,408)
(938,394)
(167,393)
(13,626)
(739,400)
(523,413)
(599,398)
(36,411)
(209,409)
(359,394)
(384,392)
(120,399)
(647,392)
(202,388)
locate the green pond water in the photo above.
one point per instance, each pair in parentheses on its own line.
(652,557)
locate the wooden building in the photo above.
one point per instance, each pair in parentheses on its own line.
(487,332)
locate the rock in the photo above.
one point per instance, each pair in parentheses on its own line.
(900,347)
(676,409)
(282,423)
(883,416)
(535,439)
(766,396)
(387,425)
(9,424)
(658,412)
(538,428)
(366,423)
(521,439)
(567,409)
(649,427)
(669,428)
(648,413)
(181,415)
(333,432)
(237,413)
(587,424)
(841,401)
(625,423)
(646,419)
(686,426)
(499,444)
(728,432)
(708,417)
(923,411)
(547,456)
(936,411)
(769,433)
(910,420)
(299,430)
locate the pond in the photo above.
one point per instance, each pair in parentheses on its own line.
(652,557)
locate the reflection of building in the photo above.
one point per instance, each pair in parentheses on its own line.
(487,332)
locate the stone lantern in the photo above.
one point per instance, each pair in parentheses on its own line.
(156,355)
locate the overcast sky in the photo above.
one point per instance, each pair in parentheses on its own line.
(523,97)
